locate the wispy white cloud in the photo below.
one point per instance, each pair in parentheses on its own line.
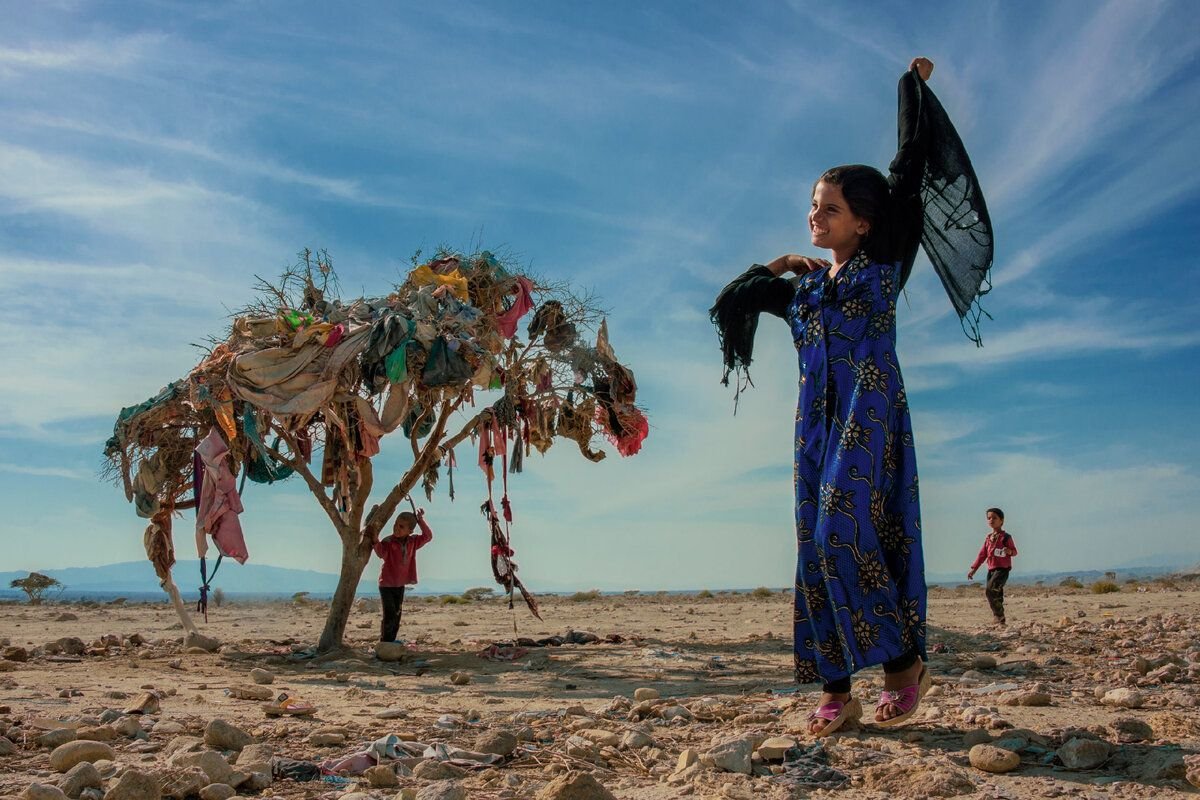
(69,473)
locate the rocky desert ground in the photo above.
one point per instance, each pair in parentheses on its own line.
(649,696)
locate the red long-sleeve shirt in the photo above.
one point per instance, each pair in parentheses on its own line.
(998,550)
(400,556)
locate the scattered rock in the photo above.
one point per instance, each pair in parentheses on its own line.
(732,755)
(500,743)
(183,744)
(255,754)
(1191,766)
(42,791)
(220,735)
(574,786)
(976,736)
(169,728)
(205,643)
(67,645)
(636,740)
(128,727)
(437,771)
(775,748)
(134,785)
(460,678)
(1123,698)
(262,676)
(217,791)
(983,661)
(13,653)
(68,755)
(182,782)
(991,758)
(381,776)
(7,748)
(442,790)
(1084,753)
(244,692)
(97,733)
(645,693)
(83,775)
(601,737)
(1130,729)
(216,768)
(390,651)
(66,616)
(56,737)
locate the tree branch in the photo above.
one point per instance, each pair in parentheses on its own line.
(314,485)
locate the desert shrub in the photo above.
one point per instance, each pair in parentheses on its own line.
(1070,582)
(704,594)
(35,586)
(479,593)
(1105,587)
(218,597)
(453,600)
(585,597)
(632,592)
(762,592)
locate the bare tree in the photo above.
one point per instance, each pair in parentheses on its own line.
(302,372)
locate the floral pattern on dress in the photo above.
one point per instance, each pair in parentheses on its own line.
(860,576)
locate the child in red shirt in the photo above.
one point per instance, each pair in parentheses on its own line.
(998,550)
(399,554)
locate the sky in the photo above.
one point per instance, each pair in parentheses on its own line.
(155,157)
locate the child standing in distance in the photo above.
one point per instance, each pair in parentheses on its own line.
(399,554)
(998,550)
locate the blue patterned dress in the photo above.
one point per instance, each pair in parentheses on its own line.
(860,576)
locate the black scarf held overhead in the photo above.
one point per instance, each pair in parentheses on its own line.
(936,202)
(956,229)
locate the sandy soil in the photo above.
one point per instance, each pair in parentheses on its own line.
(721,666)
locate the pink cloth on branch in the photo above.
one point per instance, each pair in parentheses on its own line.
(507,322)
(217,515)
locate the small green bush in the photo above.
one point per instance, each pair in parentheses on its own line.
(1105,587)
(479,593)
(704,594)
(453,600)
(762,592)
(1070,582)
(585,597)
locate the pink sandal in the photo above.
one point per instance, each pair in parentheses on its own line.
(908,700)
(836,714)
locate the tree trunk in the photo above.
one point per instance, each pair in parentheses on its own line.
(172,591)
(355,554)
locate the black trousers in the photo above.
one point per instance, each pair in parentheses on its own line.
(392,598)
(898,664)
(995,591)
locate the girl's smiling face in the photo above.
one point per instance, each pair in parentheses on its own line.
(832,224)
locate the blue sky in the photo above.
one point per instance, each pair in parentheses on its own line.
(155,156)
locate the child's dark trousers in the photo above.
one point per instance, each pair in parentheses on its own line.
(393,605)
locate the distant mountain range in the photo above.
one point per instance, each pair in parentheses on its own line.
(137,579)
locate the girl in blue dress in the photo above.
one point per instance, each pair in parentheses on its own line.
(860,581)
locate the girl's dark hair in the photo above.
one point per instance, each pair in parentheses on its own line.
(997,512)
(869,196)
